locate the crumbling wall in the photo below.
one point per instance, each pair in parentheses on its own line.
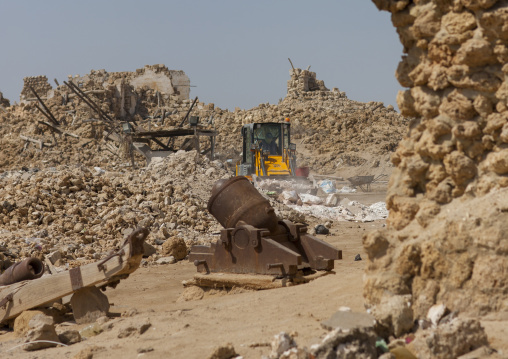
(39,83)
(129,91)
(304,81)
(156,77)
(3,101)
(123,94)
(446,237)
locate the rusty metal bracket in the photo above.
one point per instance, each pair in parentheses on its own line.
(294,229)
(244,235)
(101,265)
(202,262)
(277,265)
(225,238)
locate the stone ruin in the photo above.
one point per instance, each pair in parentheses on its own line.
(445,240)
(126,93)
(304,81)
(3,101)
(39,84)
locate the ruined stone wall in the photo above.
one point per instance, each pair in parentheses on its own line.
(304,81)
(446,238)
(160,78)
(131,90)
(3,101)
(123,94)
(304,85)
(39,83)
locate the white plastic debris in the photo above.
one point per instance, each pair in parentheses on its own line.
(310,199)
(435,313)
(327,186)
(347,189)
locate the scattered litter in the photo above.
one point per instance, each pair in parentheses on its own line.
(310,199)
(320,229)
(347,189)
(327,186)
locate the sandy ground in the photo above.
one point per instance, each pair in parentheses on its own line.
(248,320)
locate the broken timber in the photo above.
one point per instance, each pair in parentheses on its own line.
(37,142)
(58,129)
(48,113)
(18,297)
(249,281)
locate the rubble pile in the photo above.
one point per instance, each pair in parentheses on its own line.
(78,214)
(332,209)
(124,96)
(446,337)
(332,131)
(445,240)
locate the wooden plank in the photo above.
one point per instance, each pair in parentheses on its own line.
(332,177)
(49,114)
(50,265)
(58,129)
(157,141)
(249,281)
(112,136)
(38,142)
(30,294)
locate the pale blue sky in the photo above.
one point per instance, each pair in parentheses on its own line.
(236,52)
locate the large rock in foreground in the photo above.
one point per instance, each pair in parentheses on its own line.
(446,237)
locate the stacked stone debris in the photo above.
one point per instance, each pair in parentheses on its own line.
(304,81)
(448,199)
(54,200)
(116,94)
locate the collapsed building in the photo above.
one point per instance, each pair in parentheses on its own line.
(343,133)
(126,93)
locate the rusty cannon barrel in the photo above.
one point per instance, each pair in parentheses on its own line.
(236,199)
(30,268)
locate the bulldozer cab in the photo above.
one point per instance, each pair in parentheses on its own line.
(267,150)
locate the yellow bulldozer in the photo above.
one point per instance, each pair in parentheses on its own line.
(268,154)
(267,150)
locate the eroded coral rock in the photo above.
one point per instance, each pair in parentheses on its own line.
(443,243)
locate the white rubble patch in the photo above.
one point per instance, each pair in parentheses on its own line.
(278,185)
(347,189)
(310,199)
(349,211)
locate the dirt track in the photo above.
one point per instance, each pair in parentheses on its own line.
(248,320)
